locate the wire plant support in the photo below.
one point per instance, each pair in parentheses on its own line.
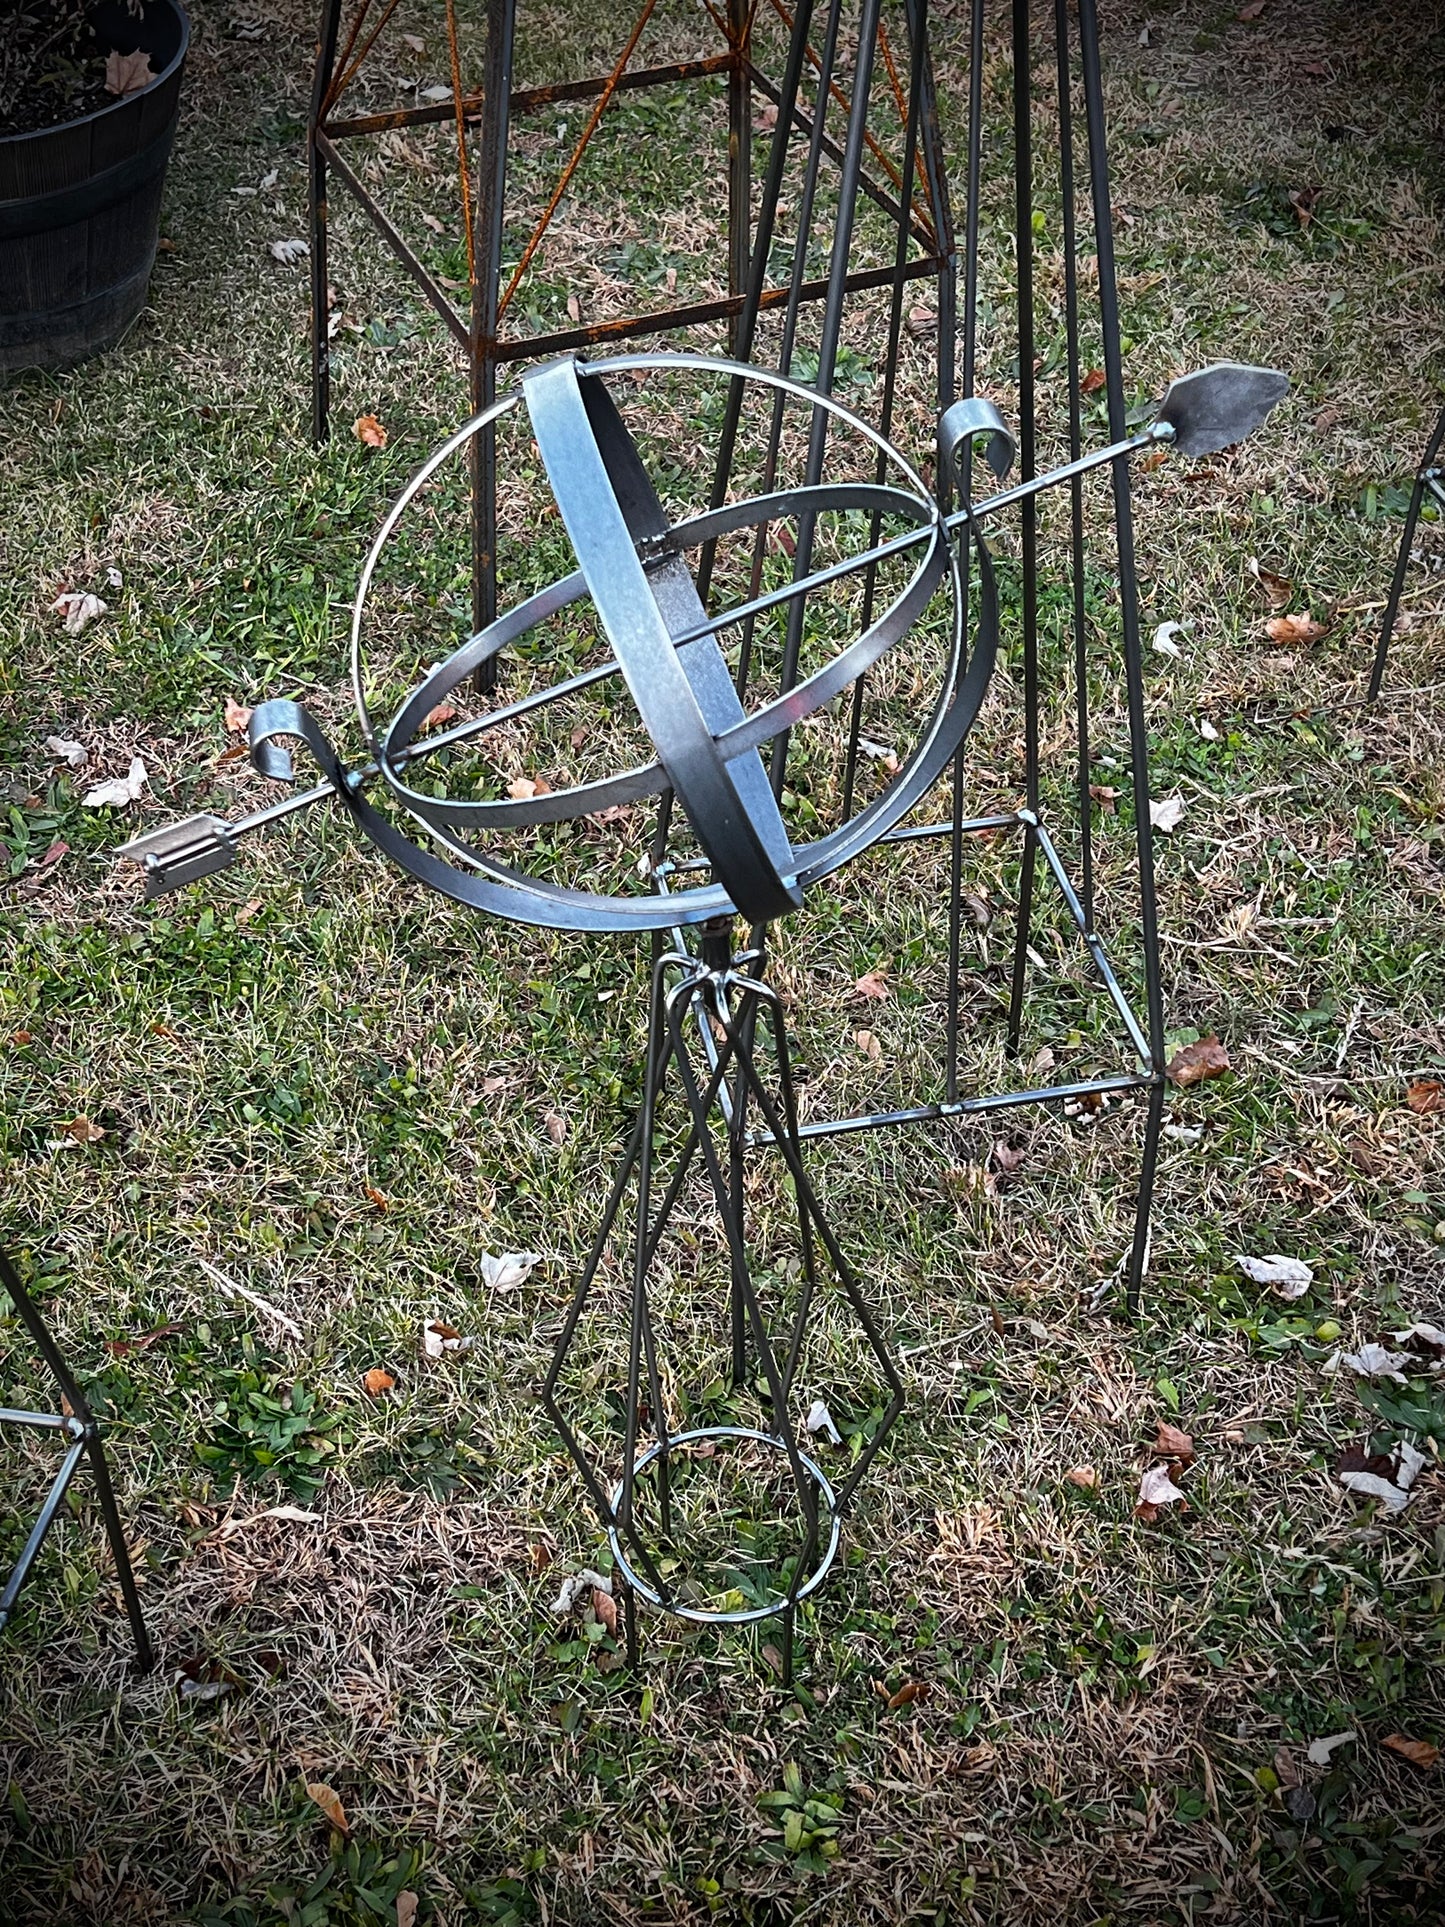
(1429,481)
(78,1427)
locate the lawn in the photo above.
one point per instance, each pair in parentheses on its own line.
(324,1097)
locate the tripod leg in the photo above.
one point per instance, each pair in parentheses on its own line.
(486,272)
(1402,559)
(316,170)
(119,1552)
(1149,1164)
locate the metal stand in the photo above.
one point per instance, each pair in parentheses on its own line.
(1429,479)
(79,1426)
(912,193)
(1142,1034)
(716,997)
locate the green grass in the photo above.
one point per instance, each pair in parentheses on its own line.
(335,1091)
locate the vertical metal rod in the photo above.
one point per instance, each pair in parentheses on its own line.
(828,346)
(918,49)
(1129,617)
(740,162)
(316,187)
(1076,449)
(1028,530)
(1402,560)
(1143,1205)
(486,278)
(970,361)
(119,1552)
(931,140)
(758,272)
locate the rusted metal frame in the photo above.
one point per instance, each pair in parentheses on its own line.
(486,281)
(803,121)
(879,154)
(722,309)
(351,70)
(565,178)
(331,17)
(531,100)
(930,161)
(396,242)
(740,169)
(317,210)
(464,172)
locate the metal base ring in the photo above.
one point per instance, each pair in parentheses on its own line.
(742,1616)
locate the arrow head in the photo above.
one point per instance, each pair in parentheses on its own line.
(1220,405)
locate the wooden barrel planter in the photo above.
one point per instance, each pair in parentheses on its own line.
(80,203)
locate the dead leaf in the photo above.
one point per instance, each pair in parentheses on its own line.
(1085,1477)
(555,1125)
(1164,638)
(605,1607)
(1251,11)
(574,1586)
(83,1131)
(820,1421)
(438,717)
(1426,1096)
(773,1658)
(128,73)
(1277,588)
(288,253)
(1168,815)
(1106,796)
(1092,382)
(120,791)
(1318,1751)
(1196,1063)
(922,321)
(406,1901)
(1285,1770)
(1290,631)
(378,1198)
(80,609)
(1417,1752)
(1370,1361)
(1303,200)
(871,984)
(1387,1476)
(142,1342)
(909,1693)
(765,117)
(1157,1490)
(1287,1277)
(65,751)
(369,430)
(868,1044)
(439,1338)
(508,1271)
(378,1381)
(329,1802)
(1171,1443)
(238,717)
(540,1555)
(1007,1158)
(574,308)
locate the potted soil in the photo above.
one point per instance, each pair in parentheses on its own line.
(89,93)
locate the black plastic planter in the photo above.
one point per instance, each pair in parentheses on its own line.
(80,204)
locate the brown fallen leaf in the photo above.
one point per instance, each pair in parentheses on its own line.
(438,717)
(1171,1443)
(1417,1752)
(1291,630)
(540,1556)
(1196,1063)
(329,1802)
(83,1131)
(909,1693)
(142,1342)
(871,984)
(377,1381)
(238,716)
(922,321)
(369,430)
(773,1657)
(1252,11)
(1106,796)
(1085,1477)
(1303,200)
(1425,1095)
(605,1607)
(1007,1158)
(868,1044)
(233,753)
(1092,382)
(1277,588)
(128,73)
(406,1906)
(555,1125)
(252,907)
(20,1037)
(1286,1772)
(522,788)
(378,1198)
